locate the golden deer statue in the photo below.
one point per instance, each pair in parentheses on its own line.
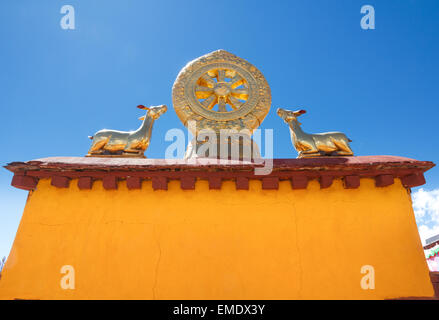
(314,145)
(126,144)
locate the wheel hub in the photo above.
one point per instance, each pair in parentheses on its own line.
(222,90)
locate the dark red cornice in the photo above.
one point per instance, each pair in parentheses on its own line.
(384,169)
(431,245)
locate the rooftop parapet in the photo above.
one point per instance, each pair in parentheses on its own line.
(384,169)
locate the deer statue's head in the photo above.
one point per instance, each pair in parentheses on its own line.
(289,116)
(153,112)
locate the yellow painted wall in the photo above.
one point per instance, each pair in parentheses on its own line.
(217,244)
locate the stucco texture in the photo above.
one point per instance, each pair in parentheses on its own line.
(217,244)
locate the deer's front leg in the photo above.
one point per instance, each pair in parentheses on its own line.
(98,145)
(137,146)
(310,155)
(306,147)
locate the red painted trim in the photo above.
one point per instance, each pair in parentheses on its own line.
(161,178)
(351,182)
(215,183)
(299,182)
(24,182)
(160,183)
(434,276)
(230,174)
(109,182)
(326,181)
(134,183)
(431,245)
(187,183)
(242,183)
(384,180)
(60,181)
(413,180)
(85,183)
(384,169)
(270,183)
(90,162)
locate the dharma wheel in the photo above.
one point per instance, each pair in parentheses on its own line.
(221,91)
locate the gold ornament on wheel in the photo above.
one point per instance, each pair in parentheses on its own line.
(220,91)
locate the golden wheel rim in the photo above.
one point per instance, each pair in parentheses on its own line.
(221,91)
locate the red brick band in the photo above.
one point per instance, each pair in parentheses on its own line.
(187,183)
(270,183)
(215,183)
(351,182)
(384,180)
(60,181)
(134,183)
(299,182)
(109,182)
(160,183)
(85,183)
(384,169)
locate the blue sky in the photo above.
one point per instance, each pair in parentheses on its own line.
(59,86)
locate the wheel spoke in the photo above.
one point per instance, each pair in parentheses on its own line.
(222,105)
(203,92)
(208,81)
(236,81)
(212,73)
(234,103)
(210,87)
(230,73)
(210,102)
(221,75)
(240,93)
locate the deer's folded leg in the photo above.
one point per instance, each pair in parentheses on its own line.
(344,148)
(311,151)
(343,153)
(114,147)
(137,146)
(309,155)
(100,151)
(97,146)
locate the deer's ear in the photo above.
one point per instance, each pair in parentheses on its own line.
(301,111)
(141,106)
(142,118)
